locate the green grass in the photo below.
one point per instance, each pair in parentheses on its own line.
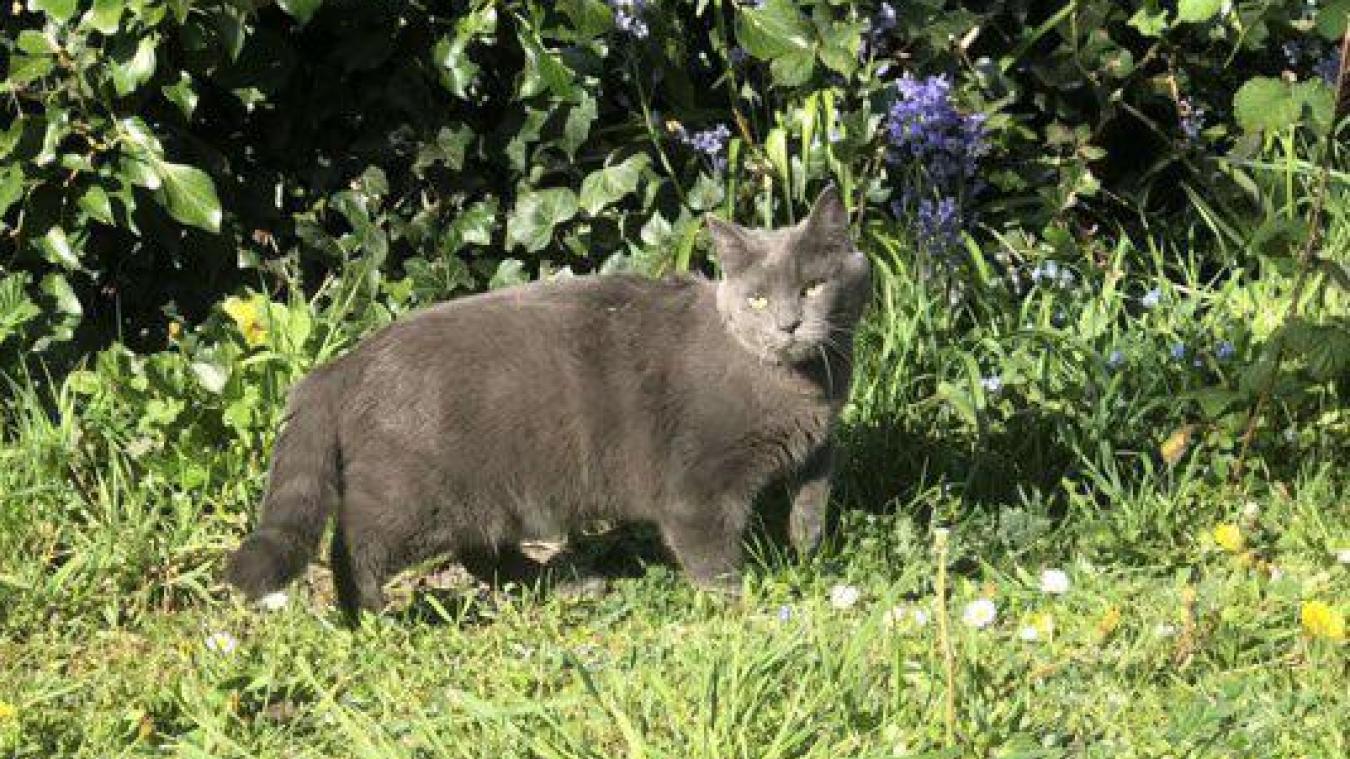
(112,534)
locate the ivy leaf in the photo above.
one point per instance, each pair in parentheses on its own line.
(590,18)
(104,16)
(11,186)
(578,125)
(62,293)
(510,272)
(610,184)
(56,247)
(779,33)
(57,10)
(1265,104)
(182,94)
(839,46)
(458,71)
(1197,11)
(95,202)
(544,70)
(131,71)
(1332,18)
(189,195)
(300,10)
(1150,20)
(530,224)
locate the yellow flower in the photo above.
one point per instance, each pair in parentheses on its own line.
(7,711)
(175,330)
(1322,621)
(1108,623)
(248,317)
(1228,537)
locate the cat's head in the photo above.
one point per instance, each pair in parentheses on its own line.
(790,295)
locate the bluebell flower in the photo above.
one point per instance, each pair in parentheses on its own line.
(1178,351)
(1329,67)
(737,55)
(627,17)
(1114,360)
(1225,350)
(1192,119)
(712,143)
(1151,298)
(925,130)
(938,225)
(992,384)
(784,613)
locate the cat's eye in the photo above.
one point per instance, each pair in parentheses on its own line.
(758,302)
(813,289)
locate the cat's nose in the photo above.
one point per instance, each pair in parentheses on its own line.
(789,322)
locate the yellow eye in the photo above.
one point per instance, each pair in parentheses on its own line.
(813,289)
(758,302)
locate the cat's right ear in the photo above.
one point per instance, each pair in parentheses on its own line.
(732,245)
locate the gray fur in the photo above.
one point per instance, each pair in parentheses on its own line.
(520,413)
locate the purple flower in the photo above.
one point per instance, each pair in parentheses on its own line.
(1114,360)
(1192,119)
(627,17)
(1178,351)
(712,143)
(925,130)
(1225,350)
(938,225)
(1329,67)
(737,55)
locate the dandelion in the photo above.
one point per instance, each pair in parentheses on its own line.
(1228,537)
(274,601)
(248,318)
(1054,582)
(844,596)
(221,642)
(979,613)
(1151,298)
(1322,621)
(8,711)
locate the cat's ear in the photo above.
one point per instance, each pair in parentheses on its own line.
(828,221)
(732,245)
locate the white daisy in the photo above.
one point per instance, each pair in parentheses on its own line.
(844,596)
(221,642)
(274,601)
(979,613)
(1054,581)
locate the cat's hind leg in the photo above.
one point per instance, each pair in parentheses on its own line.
(365,553)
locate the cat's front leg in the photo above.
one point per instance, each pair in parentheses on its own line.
(806,521)
(708,546)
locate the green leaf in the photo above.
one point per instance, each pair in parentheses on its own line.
(130,71)
(57,10)
(56,247)
(189,195)
(11,186)
(774,30)
(458,71)
(1265,104)
(706,194)
(1197,11)
(792,70)
(1331,19)
(300,10)
(182,94)
(530,224)
(510,272)
(839,46)
(105,15)
(1150,20)
(94,201)
(544,70)
(612,183)
(578,126)
(56,286)
(590,18)
(212,376)
(36,43)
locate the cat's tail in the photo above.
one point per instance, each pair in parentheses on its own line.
(302,490)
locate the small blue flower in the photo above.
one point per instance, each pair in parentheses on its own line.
(627,17)
(992,384)
(1151,298)
(925,129)
(1178,351)
(1225,350)
(784,613)
(1329,67)
(938,225)
(1115,359)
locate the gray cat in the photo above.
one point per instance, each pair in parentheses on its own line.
(520,413)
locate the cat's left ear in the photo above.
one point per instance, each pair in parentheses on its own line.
(829,219)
